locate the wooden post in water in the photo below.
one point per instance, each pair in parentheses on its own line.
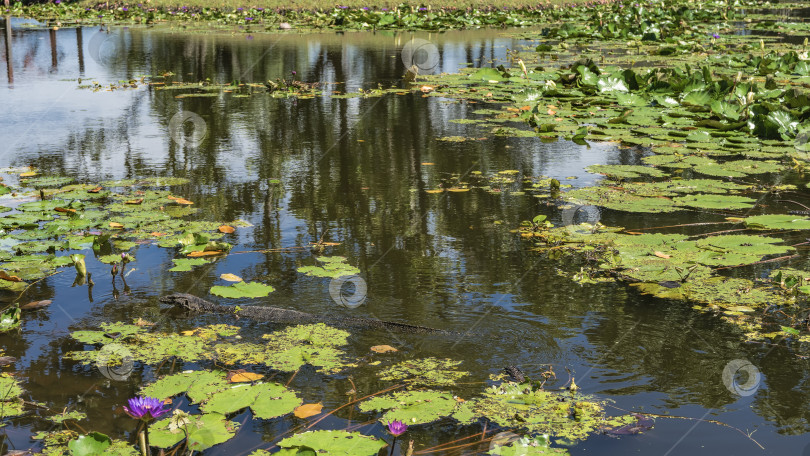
(54,61)
(80,50)
(10,68)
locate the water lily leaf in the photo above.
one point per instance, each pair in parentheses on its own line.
(266,400)
(426,372)
(625,171)
(715,201)
(199,385)
(204,432)
(777,222)
(334,443)
(36,305)
(243,290)
(49,182)
(307,410)
(242,376)
(10,319)
(611,84)
(92,444)
(185,264)
(524,446)
(412,407)
(333,267)
(745,244)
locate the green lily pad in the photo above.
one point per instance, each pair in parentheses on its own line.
(716,201)
(777,222)
(243,290)
(333,443)
(204,431)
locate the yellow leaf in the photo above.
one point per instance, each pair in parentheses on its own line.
(187,333)
(205,253)
(4,275)
(231,278)
(383,349)
(64,210)
(245,377)
(307,410)
(226,229)
(135,201)
(458,189)
(116,225)
(661,255)
(29,174)
(438,190)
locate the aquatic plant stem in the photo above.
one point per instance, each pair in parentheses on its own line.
(393,444)
(142,441)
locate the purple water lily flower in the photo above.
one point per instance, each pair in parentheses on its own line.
(248,18)
(423,9)
(145,408)
(342,7)
(397,428)
(239,9)
(122,9)
(715,36)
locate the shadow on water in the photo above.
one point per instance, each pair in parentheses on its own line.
(355,171)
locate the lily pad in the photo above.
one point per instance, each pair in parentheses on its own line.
(333,443)
(243,290)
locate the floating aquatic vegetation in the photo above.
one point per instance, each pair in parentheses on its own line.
(243,290)
(337,443)
(285,350)
(333,267)
(424,372)
(65,442)
(11,404)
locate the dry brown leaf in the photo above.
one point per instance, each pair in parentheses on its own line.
(426,89)
(157,234)
(227,229)
(64,210)
(307,410)
(428,164)
(135,201)
(242,376)
(142,322)
(383,349)
(187,333)
(231,277)
(95,190)
(179,200)
(4,275)
(525,108)
(205,253)
(36,304)
(661,255)
(116,225)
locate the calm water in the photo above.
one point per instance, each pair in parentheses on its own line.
(354,171)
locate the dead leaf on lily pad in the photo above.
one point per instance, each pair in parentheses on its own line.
(231,277)
(135,201)
(307,410)
(4,276)
(383,349)
(116,225)
(226,229)
(95,190)
(662,255)
(205,253)
(243,376)
(36,304)
(180,200)
(64,210)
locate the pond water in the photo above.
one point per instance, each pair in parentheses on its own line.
(355,171)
